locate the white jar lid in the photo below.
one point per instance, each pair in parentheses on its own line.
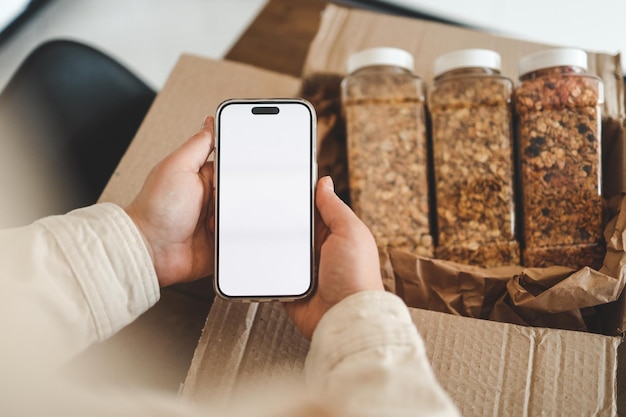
(564,57)
(380,56)
(467,58)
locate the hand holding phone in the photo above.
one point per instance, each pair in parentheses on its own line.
(265,179)
(173,211)
(348,259)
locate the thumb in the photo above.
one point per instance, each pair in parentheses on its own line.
(193,153)
(334,212)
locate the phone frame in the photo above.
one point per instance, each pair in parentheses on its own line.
(312,185)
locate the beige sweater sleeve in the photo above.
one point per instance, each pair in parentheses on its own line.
(367,359)
(68,281)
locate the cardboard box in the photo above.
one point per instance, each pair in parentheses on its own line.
(488,368)
(194,89)
(343,31)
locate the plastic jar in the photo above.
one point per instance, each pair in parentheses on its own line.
(471,117)
(383,104)
(559,109)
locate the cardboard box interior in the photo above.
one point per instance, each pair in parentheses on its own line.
(437,285)
(488,368)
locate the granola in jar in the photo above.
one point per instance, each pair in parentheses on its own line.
(383,104)
(559,118)
(470,111)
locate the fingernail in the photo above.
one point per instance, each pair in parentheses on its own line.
(328,183)
(206,121)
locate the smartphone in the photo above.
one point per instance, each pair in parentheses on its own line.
(265,176)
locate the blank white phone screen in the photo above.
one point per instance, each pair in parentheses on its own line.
(264,200)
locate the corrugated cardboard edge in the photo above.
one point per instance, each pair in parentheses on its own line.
(194,89)
(614,127)
(488,368)
(494,369)
(243,341)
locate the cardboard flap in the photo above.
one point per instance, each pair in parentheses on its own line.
(243,340)
(194,90)
(343,32)
(488,368)
(494,369)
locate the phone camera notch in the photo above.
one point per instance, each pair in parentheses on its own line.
(265,110)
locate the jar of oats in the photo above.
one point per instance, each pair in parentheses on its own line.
(559,109)
(383,104)
(470,111)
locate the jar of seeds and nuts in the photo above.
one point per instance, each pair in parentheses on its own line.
(383,104)
(471,123)
(559,117)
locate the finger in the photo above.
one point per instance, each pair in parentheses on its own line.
(334,212)
(194,153)
(207,121)
(207,172)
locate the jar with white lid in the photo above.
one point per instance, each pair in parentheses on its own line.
(470,111)
(558,105)
(383,105)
